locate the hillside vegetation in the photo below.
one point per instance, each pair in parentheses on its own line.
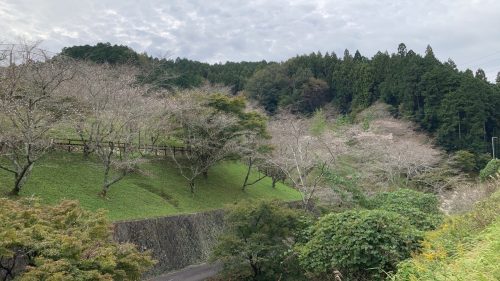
(158,191)
(459,107)
(465,247)
(366,146)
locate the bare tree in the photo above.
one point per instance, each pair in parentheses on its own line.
(113,108)
(303,158)
(155,127)
(390,153)
(255,153)
(29,106)
(209,136)
(272,171)
(396,159)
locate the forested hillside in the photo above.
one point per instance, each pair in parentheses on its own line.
(166,72)
(352,138)
(461,108)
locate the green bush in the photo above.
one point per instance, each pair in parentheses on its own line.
(481,160)
(464,247)
(421,209)
(465,161)
(63,242)
(318,123)
(257,244)
(362,245)
(490,169)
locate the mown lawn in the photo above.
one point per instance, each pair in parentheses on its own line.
(158,190)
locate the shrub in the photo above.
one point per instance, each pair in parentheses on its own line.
(421,209)
(258,241)
(465,247)
(63,242)
(465,161)
(318,123)
(360,244)
(490,169)
(481,160)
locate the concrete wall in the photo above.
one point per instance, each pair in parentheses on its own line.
(176,241)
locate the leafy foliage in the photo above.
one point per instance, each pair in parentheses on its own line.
(465,161)
(63,242)
(360,244)
(257,244)
(421,209)
(167,73)
(102,53)
(457,107)
(463,248)
(318,122)
(213,127)
(490,170)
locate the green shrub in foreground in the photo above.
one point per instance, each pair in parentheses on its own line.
(490,169)
(258,241)
(465,161)
(64,242)
(421,209)
(465,247)
(362,245)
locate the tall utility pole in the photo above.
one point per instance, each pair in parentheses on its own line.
(493,145)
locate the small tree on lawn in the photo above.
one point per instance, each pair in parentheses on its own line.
(30,106)
(254,152)
(110,122)
(208,135)
(252,126)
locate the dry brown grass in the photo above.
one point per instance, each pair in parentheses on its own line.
(463,197)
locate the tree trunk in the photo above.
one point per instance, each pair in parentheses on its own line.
(20,179)
(191,186)
(105,186)
(104,191)
(108,183)
(275,180)
(255,268)
(17,187)
(250,163)
(86,150)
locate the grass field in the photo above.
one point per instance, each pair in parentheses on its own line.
(464,247)
(158,191)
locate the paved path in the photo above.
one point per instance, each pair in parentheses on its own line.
(190,273)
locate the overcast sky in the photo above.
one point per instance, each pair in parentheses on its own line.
(468,31)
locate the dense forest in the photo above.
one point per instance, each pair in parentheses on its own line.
(165,72)
(461,108)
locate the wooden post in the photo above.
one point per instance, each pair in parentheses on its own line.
(139,140)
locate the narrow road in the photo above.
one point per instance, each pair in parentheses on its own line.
(190,273)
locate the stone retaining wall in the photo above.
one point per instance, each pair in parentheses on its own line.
(176,241)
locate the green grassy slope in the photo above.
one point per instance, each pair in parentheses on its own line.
(466,247)
(158,191)
(482,262)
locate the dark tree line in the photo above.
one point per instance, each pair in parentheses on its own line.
(103,53)
(461,108)
(179,72)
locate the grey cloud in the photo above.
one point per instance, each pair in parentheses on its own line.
(213,31)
